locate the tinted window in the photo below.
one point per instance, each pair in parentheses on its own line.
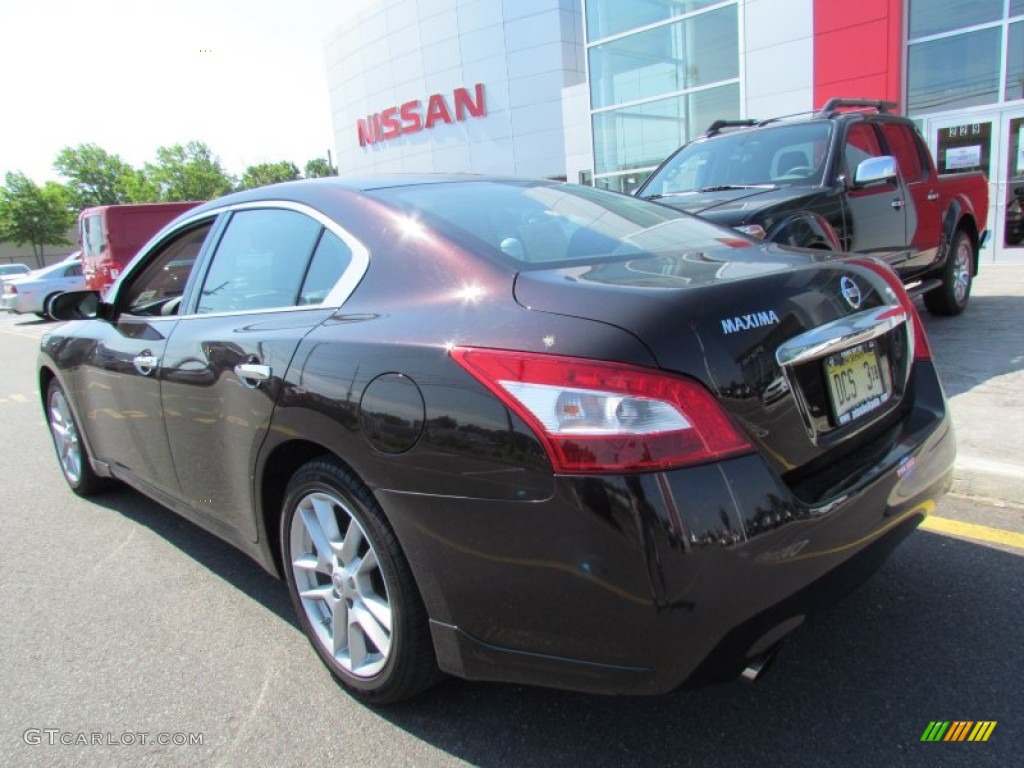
(75,270)
(330,260)
(861,144)
(159,286)
(534,223)
(260,262)
(903,146)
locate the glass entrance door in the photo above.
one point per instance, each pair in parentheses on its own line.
(1012,188)
(991,142)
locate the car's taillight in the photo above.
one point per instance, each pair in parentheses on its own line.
(599,417)
(922,350)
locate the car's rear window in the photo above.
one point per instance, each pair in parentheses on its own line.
(542,224)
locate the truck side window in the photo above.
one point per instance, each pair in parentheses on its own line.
(861,144)
(903,146)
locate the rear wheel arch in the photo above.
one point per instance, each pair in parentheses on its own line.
(278,469)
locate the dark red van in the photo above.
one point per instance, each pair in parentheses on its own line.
(111,235)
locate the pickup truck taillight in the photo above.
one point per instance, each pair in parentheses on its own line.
(597,417)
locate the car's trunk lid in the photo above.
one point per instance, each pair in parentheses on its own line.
(724,321)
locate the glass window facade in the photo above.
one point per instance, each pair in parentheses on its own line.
(931,17)
(958,71)
(644,135)
(661,86)
(611,17)
(956,55)
(700,50)
(1015,62)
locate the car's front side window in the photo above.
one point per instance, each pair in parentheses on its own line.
(260,262)
(158,288)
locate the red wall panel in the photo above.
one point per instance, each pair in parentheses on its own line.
(858,49)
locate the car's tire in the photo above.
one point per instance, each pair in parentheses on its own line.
(339,553)
(46,305)
(952,296)
(72,454)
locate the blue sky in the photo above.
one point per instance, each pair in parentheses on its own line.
(248,78)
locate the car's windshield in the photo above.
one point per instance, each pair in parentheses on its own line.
(776,156)
(538,223)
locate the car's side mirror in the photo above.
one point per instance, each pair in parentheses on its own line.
(79,305)
(876,170)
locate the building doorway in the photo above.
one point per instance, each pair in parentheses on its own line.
(991,141)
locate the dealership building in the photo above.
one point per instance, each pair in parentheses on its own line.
(601,91)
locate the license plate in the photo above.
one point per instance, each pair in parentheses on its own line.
(855,382)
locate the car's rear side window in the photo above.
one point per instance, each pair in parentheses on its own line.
(260,262)
(330,260)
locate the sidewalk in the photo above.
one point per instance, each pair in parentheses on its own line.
(980,359)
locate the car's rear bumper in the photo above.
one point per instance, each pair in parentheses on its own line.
(14,303)
(643,583)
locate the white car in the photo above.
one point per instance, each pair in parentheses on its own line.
(11,271)
(32,292)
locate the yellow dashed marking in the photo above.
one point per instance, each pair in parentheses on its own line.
(973,531)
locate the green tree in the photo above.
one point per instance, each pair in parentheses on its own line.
(319,167)
(261,174)
(32,214)
(95,177)
(190,172)
(139,188)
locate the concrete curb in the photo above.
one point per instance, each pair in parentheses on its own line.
(988,479)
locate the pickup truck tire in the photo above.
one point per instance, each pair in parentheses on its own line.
(951,297)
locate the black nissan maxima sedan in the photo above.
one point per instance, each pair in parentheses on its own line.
(509,430)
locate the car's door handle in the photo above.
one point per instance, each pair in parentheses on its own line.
(933,196)
(146,362)
(897,204)
(253,374)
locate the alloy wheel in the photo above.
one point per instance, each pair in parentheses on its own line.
(340,584)
(65,437)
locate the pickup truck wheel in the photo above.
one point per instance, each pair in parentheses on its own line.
(951,297)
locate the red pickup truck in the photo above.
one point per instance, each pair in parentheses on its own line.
(860,181)
(111,235)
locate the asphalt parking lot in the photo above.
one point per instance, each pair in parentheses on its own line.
(125,621)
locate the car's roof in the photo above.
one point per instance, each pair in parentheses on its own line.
(312,191)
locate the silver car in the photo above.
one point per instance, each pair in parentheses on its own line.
(33,292)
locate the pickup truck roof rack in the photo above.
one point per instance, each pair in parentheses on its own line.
(832,106)
(716,127)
